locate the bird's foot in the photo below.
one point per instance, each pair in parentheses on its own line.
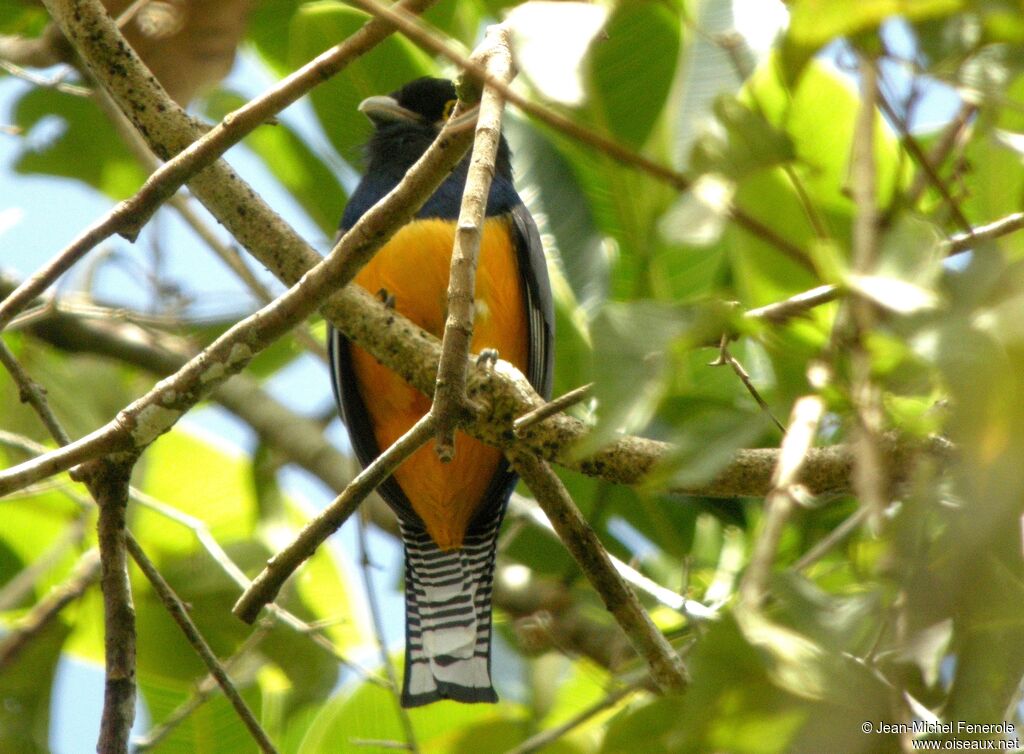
(488,358)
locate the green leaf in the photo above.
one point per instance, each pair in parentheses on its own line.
(87,148)
(213,728)
(23,20)
(367,712)
(815,22)
(317,26)
(628,81)
(749,142)
(563,210)
(32,525)
(266,21)
(996,175)
(26,685)
(632,342)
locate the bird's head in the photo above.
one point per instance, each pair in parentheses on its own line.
(407,121)
(423,102)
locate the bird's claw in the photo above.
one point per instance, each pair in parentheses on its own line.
(487,358)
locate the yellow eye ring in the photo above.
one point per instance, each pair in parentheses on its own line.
(448,107)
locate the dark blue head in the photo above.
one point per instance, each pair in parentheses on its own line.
(405,124)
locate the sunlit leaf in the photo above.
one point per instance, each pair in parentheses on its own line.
(550,40)
(628,82)
(367,712)
(813,22)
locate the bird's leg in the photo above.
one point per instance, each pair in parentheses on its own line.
(386,298)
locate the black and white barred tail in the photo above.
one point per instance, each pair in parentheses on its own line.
(448,617)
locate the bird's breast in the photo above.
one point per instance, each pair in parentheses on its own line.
(413,269)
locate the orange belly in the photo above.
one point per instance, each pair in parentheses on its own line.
(413,267)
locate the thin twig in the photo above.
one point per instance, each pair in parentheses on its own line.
(725,358)
(180,203)
(556,406)
(732,44)
(213,548)
(41,81)
(85,574)
(203,691)
(922,160)
(949,138)
(803,425)
(264,588)
(174,606)
(834,537)
(31,393)
(523,509)
(781,312)
(380,743)
(545,737)
(583,544)
(997,229)
(378,632)
(449,406)
(206,539)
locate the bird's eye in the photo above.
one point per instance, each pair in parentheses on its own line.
(448,107)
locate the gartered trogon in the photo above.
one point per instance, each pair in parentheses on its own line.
(449,513)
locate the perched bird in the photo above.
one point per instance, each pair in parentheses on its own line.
(449,513)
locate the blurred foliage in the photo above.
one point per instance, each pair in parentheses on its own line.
(918,613)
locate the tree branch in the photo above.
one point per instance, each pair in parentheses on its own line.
(140,423)
(449,407)
(268,583)
(180,615)
(580,540)
(31,393)
(402,347)
(107,480)
(204,690)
